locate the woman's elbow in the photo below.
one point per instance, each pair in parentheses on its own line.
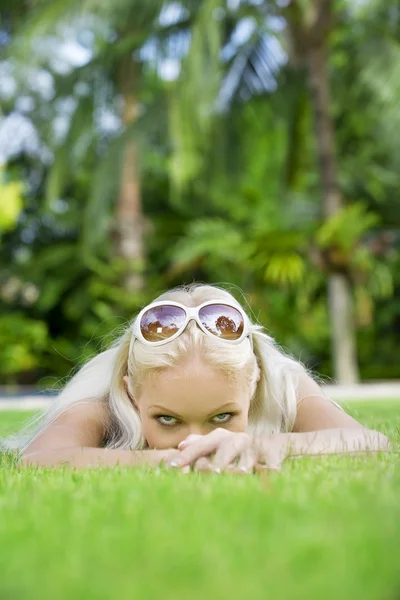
(27,459)
(380,442)
(39,458)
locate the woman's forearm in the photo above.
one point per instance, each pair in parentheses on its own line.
(82,457)
(334,441)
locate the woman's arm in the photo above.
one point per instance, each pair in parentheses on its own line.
(82,457)
(74,438)
(322,427)
(221,448)
(327,441)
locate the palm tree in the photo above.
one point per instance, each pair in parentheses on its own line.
(252,68)
(306,27)
(310,29)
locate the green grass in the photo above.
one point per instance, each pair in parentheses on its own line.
(325,527)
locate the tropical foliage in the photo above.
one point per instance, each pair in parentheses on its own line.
(145,145)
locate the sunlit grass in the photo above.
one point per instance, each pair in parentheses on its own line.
(322,528)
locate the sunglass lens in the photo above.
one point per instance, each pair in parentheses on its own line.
(161,322)
(223,321)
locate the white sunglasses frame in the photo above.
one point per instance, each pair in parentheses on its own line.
(192,313)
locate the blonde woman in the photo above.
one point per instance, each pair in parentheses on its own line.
(192,384)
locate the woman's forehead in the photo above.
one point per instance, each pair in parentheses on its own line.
(193,387)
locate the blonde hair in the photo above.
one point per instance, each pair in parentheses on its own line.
(272,376)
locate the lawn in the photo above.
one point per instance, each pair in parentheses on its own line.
(325,527)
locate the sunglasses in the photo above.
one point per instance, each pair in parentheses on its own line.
(162,322)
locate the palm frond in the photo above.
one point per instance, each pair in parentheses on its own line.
(381,284)
(253,68)
(347,226)
(72,149)
(297,138)
(49,13)
(192,104)
(211,237)
(285,268)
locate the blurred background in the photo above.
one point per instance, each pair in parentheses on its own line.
(145,144)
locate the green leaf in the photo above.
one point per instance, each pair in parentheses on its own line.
(285,269)
(214,237)
(380,283)
(192,104)
(11,203)
(346,228)
(72,150)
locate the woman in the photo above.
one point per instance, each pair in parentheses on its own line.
(192,384)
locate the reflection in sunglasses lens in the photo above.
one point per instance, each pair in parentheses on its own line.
(223,321)
(161,322)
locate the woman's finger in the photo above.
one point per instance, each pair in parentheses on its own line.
(201,447)
(270,455)
(202,464)
(190,439)
(230,449)
(247,460)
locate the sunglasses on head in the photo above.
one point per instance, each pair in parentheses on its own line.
(162,322)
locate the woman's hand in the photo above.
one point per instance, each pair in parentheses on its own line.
(226,450)
(156,457)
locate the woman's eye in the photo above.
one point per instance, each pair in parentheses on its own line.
(223,418)
(166,420)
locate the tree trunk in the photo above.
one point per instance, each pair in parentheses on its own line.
(343,334)
(129,221)
(339,291)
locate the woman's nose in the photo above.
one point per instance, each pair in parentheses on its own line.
(197,430)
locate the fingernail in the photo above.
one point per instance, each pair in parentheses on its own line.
(175,463)
(192,436)
(189,439)
(244,469)
(216,470)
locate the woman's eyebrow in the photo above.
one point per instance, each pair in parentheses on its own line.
(171,412)
(219,409)
(165,410)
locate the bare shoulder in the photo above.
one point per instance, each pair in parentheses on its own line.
(95,415)
(315,410)
(83,424)
(306,387)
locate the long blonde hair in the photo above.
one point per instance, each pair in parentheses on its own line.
(272,376)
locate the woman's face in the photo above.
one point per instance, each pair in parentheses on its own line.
(192,398)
